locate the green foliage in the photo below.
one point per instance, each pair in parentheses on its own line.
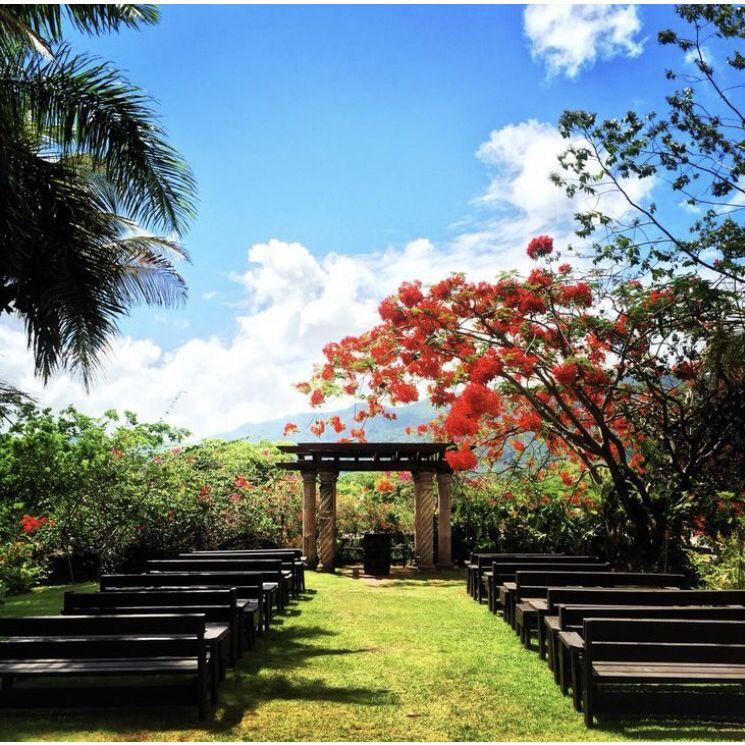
(368,502)
(524,514)
(722,566)
(113,491)
(19,569)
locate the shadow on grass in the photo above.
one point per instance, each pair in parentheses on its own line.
(674,728)
(281,652)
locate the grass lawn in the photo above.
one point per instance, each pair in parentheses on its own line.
(403,659)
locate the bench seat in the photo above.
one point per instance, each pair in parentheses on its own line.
(115,666)
(668,672)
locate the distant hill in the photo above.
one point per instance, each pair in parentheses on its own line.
(378,429)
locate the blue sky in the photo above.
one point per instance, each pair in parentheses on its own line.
(372,144)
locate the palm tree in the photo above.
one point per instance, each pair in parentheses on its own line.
(88,188)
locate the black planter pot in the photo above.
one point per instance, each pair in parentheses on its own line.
(376,554)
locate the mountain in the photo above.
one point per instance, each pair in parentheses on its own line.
(378,429)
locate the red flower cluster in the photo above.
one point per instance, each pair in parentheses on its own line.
(384,485)
(566,373)
(403,393)
(336,424)
(461,459)
(543,245)
(30,524)
(411,294)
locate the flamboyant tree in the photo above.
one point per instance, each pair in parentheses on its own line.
(617,379)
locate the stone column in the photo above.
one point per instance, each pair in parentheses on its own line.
(417,513)
(309,518)
(425,500)
(327,520)
(444,542)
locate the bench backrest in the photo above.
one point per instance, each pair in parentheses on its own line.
(573,616)
(271,567)
(624,596)
(87,625)
(485,559)
(71,637)
(247,584)
(140,598)
(598,579)
(295,553)
(663,640)
(506,571)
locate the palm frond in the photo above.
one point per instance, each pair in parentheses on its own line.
(37,26)
(80,105)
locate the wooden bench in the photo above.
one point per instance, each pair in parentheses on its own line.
(531,585)
(480,562)
(272,570)
(249,586)
(219,608)
(619,597)
(681,654)
(299,562)
(502,572)
(101,647)
(566,613)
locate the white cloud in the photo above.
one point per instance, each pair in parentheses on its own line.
(569,38)
(296,302)
(522,158)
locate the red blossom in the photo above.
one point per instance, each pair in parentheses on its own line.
(317,397)
(336,423)
(30,524)
(410,294)
(486,367)
(529,421)
(384,485)
(403,393)
(290,427)
(566,373)
(461,459)
(542,245)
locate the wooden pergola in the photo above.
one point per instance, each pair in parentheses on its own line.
(321,462)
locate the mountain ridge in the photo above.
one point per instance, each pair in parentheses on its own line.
(378,429)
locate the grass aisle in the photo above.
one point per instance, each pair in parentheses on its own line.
(404,659)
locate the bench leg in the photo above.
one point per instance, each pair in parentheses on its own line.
(553,641)
(527,631)
(587,705)
(541,639)
(202,685)
(214,680)
(563,669)
(577,693)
